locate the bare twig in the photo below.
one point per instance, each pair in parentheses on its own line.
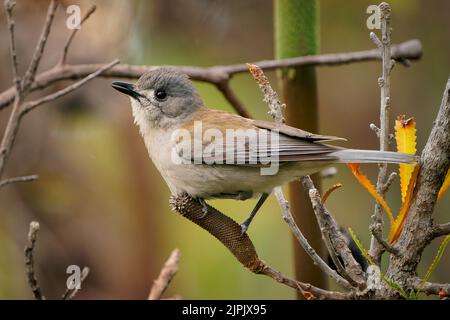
(31,105)
(28,79)
(289,219)
(8,181)
(29,261)
(73,33)
(375,229)
(384,45)
(440,230)
(306,288)
(431,288)
(388,183)
(270,96)
(19,111)
(9,6)
(375,129)
(410,49)
(69,294)
(276,111)
(330,231)
(10,133)
(165,276)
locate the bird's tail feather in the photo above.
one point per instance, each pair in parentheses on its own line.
(373,156)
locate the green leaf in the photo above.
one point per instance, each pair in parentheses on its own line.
(366,255)
(435,262)
(413,295)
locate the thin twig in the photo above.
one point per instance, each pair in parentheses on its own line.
(384,45)
(9,6)
(31,105)
(270,96)
(376,232)
(306,288)
(388,183)
(229,94)
(440,230)
(18,112)
(411,49)
(73,33)
(69,294)
(331,232)
(165,276)
(10,133)
(8,181)
(289,219)
(276,111)
(430,287)
(29,261)
(30,74)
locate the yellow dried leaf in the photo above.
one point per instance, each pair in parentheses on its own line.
(355,168)
(405,136)
(397,226)
(444,186)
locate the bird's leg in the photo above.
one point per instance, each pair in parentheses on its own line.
(246,223)
(204,207)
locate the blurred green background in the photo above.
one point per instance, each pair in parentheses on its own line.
(100,201)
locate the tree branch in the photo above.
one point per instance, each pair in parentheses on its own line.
(308,290)
(411,49)
(276,111)
(8,181)
(289,219)
(384,45)
(165,276)
(440,230)
(29,261)
(418,230)
(431,288)
(330,230)
(375,229)
(9,6)
(19,111)
(28,79)
(31,105)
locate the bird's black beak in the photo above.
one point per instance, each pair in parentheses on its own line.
(126,88)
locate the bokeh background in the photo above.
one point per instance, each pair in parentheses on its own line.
(100,201)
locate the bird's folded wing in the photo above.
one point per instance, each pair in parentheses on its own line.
(252,142)
(294,132)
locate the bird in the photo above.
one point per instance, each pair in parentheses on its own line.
(213,154)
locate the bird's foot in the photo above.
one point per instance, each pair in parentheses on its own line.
(204,208)
(244,226)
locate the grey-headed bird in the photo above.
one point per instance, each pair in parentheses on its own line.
(208,153)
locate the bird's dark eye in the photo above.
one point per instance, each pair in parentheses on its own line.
(160,95)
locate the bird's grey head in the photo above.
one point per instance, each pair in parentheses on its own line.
(162,97)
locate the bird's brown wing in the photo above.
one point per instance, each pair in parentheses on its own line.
(290,144)
(294,132)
